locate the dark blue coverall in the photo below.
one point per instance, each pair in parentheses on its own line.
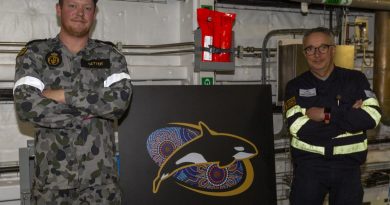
(327,155)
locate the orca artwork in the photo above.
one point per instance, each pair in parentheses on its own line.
(192,153)
(209,145)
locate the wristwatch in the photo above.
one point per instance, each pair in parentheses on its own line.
(327,112)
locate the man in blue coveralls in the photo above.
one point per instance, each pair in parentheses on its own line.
(328,111)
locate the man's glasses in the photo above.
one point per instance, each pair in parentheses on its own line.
(311,50)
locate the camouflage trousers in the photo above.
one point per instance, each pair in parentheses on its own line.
(101,195)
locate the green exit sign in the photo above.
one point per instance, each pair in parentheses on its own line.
(207,81)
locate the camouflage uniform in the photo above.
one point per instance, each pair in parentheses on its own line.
(106,194)
(74,142)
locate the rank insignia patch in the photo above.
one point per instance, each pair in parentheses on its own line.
(290,103)
(54,58)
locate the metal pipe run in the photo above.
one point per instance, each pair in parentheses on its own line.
(364,4)
(159,46)
(382,63)
(9,51)
(5,43)
(158,53)
(178,52)
(265,50)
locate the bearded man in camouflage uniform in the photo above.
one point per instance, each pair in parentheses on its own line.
(72,88)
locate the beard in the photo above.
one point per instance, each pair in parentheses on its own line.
(76,31)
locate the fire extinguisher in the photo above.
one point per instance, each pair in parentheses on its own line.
(216,28)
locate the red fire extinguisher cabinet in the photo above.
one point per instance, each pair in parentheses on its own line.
(211,65)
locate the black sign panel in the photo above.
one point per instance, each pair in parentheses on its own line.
(192,145)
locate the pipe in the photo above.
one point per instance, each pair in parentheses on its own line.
(9,51)
(160,53)
(364,4)
(382,63)
(265,51)
(4,43)
(127,53)
(158,46)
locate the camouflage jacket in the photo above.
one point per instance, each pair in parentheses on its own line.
(74,141)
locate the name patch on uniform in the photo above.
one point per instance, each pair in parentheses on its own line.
(370,94)
(290,103)
(307,92)
(54,58)
(96,63)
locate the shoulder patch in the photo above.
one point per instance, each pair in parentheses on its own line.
(106,42)
(24,49)
(34,41)
(110,44)
(290,103)
(22,52)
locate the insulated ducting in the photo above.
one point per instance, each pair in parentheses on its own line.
(364,4)
(382,63)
